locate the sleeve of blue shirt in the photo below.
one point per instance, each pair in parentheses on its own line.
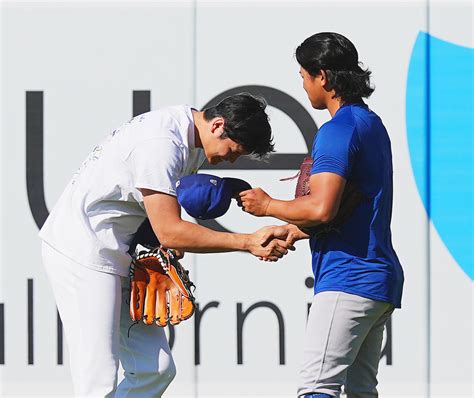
(334,149)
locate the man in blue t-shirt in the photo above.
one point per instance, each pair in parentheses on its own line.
(358,278)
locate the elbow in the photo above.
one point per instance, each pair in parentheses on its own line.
(322,215)
(169,238)
(324,218)
(170,241)
(166,241)
(328,214)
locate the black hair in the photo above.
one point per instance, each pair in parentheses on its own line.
(245,122)
(338,57)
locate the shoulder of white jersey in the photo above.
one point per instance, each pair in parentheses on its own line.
(167,122)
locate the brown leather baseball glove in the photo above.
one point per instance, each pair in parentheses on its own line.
(160,288)
(352,197)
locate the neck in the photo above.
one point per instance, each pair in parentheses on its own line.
(333,104)
(199,121)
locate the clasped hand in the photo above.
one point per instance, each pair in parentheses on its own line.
(273,242)
(254,201)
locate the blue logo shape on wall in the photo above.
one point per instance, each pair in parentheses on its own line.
(439,116)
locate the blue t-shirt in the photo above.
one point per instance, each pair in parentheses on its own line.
(359,257)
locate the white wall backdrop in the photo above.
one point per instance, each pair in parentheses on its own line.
(71,71)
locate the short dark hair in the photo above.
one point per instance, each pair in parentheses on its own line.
(245,122)
(338,57)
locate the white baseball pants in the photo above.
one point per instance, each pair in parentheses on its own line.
(95,322)
(343,343)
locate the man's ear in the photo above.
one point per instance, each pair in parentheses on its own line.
(217,126)
(324,79)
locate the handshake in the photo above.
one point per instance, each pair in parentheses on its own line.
(273,242)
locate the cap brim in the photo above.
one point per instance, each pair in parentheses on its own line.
(236,185)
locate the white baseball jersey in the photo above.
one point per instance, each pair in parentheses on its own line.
(100,210)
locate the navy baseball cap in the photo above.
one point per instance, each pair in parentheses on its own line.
(205,196)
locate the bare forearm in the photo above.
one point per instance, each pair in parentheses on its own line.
(194,238)
(301,212)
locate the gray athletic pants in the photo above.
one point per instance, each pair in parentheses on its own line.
(343,343)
